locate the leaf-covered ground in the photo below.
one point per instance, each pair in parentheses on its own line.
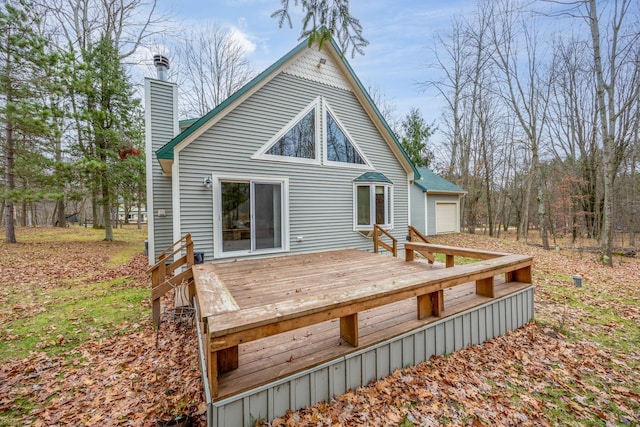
(578,364)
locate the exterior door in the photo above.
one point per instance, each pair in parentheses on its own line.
(251,216)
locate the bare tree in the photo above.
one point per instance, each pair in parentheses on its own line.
(573,130)
(613,103)
(212,66)
(525,92)
(82,23)
(465,65)
(386,106)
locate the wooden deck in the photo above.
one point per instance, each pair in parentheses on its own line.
(287,299)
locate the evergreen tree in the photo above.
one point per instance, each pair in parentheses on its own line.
(23,115)
(111,126)
(324,20)
(415,136)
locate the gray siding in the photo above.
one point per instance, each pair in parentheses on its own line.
(160,103)
(417,209)
(321,383)
(320,196)
(431,209)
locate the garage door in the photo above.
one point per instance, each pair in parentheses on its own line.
(446,217)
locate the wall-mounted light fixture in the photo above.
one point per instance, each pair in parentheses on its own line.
(322,62)
(207,182)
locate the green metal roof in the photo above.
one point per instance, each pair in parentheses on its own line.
(166,151)
(183,124)
(372,177)
(430,182)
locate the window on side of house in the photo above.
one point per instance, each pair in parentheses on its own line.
(373,205)
(299,141)
(339,147)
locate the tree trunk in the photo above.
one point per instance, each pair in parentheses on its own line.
(139,203)
(95,210)
(106,211)
(62,219)
(10,232)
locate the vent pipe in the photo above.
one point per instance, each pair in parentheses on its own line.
(162,65)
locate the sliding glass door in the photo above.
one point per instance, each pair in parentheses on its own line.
(251,217)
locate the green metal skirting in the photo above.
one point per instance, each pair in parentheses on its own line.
(357,369)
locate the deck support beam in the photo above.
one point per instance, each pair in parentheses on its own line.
(484,287)
(349,329)
(522,275)
(227,359)
(212,367)
(431,304)
(450,261)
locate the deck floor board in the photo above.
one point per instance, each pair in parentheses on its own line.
(258,282)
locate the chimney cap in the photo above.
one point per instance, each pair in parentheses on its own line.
(161,61)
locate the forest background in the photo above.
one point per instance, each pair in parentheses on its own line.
(540,128)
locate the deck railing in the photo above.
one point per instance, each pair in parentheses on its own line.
(417,236)
(227,325)
(163,272)
(378,232)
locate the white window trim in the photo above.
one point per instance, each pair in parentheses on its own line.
(261,154)
(388,206)
(217,216)
(326,109)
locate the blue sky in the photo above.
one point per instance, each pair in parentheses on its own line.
(400,34)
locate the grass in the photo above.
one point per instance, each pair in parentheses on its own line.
(73,315)
(591,313)
(73,310)
(76,233)
(459,260)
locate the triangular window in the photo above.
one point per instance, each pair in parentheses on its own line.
(339,146)
(299,141)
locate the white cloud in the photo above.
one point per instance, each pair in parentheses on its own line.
(242,39)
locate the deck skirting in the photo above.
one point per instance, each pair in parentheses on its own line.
(356,369)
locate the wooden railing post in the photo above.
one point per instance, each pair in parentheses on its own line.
(450,261)
(375,238)
(416,236)
(190,255)
(377,243)
(158,275)
(159,272)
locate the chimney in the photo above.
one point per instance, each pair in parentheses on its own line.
(161,125)
(162,65)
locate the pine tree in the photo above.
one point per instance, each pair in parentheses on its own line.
(23,115)
(324,20)
(112,126)
(416,134)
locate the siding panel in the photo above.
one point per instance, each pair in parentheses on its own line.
(320,196)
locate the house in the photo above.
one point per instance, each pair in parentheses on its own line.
(298,160)
(435,204)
